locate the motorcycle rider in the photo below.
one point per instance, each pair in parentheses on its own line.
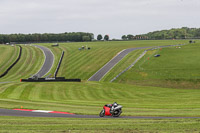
(114,105)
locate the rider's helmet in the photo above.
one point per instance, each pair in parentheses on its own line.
(115,104)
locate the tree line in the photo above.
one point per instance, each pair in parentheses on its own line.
(178,33)
(46,37)
(100,37)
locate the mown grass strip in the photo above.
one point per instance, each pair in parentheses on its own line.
(25,124)
(177,66)
(84,63)
(30,62)
(13,64)
(87,98)
(8,55)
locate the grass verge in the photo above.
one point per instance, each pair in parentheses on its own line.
(8,55)
(23,125)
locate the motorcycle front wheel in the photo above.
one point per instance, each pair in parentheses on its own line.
(117,113)
(102,113)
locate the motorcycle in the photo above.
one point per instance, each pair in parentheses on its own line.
(110,110)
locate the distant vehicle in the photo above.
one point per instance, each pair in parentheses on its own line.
(157,55)
(55,45)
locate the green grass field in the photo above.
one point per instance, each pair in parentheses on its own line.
(27,125)
(176,65)
(163,86)
(89,98)
(30,63)
(8,55)
(83,64)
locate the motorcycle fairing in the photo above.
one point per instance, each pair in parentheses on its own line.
(107,111)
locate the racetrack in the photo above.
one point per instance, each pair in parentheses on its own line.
(48,63)
(106,68)
(7,112)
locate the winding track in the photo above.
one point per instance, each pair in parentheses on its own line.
(48,63)
(96,77)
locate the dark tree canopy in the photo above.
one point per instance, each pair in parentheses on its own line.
(179,33)
(99,37)
(86,38)
(124,37)
(106,37)
(46,37)
(130,37)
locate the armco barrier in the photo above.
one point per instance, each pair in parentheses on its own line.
(58,67)
(20,52)
(57,79)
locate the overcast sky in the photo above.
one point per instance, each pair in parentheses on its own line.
(112,17)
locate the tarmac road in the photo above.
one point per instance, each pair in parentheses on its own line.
(48,63)
(106,68)
(7,112)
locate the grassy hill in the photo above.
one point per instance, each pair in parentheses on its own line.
(83,64)
(175,65)
(8,55)
(136,89)
(30,63)
(89,98)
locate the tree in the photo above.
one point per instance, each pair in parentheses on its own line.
(99,37)
(130,37)
(1,39)
(86,38)
(106,37)
(46,37)
(124,37)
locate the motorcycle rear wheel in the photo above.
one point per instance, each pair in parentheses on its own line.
(102,113)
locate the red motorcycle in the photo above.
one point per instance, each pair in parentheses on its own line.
(111,110)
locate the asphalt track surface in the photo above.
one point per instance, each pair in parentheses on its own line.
(107,67)
(7,112)
(48,63)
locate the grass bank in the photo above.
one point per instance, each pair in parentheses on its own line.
(89,98)
(30,63)
(176,66)
(26,125)
(84,63)
(8,55)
